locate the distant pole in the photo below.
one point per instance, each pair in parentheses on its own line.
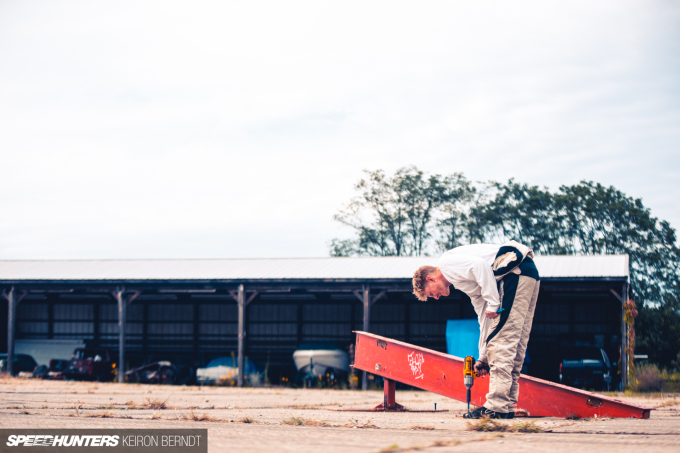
(241,300)
(367,327)
(121,333)
(624,340)
(11,317)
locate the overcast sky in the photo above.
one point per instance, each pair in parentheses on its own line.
(237,128)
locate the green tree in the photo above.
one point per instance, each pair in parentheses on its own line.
(658,335)
(455,217)
(413,213)
(527,214)
(391,215)
(602,220)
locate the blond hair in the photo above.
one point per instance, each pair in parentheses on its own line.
(420,281)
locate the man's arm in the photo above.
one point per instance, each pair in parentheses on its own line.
(483,274)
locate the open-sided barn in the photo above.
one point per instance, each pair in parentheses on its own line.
(196,310)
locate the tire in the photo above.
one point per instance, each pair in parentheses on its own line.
(167,376)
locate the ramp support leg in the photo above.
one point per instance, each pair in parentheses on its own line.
(389,401)
(390,388)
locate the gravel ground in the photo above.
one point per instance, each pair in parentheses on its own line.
(264,419)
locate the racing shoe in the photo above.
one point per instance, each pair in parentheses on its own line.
(483,412)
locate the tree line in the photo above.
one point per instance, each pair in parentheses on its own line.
(413,212)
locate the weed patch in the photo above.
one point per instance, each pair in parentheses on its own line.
(489,425)
(421,428)
(156,403)
(669,403)
(192,416)
(300,421)
(101,415)
(525,427)
(485,424)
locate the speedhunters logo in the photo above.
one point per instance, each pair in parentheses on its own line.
(109,440)
(36,440)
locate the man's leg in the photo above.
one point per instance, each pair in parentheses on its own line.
(504,338)
(522,349)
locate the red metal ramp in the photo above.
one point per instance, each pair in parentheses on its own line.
(443,374)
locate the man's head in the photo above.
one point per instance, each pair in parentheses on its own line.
(428,281)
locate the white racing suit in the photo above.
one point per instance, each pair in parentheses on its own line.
(506,343)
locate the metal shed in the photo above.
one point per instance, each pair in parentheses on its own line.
(264,308)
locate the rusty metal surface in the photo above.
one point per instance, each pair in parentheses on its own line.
(443,374)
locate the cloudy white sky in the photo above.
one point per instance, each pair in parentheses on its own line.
(237,129)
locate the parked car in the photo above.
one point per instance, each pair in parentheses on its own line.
(92,364)
(586,367)
(56,370)
(224,370)
(324,361)
(22,363)
(162,372)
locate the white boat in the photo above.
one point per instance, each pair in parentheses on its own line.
(315,359)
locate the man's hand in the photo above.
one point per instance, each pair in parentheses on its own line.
(478,368)
(491,314)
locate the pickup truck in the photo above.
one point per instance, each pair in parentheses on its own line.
(91,364)
(586,367)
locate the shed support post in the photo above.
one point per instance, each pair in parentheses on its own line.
(11,319)
(367,327)
(241,300)
(12,302)
(122,309)
(624,340)
(623,298)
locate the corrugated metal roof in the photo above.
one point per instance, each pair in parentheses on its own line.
(282,268)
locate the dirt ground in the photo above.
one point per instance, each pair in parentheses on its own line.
(290,420)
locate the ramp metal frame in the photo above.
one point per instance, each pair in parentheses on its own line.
(441,373)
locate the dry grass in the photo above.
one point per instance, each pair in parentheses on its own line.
(489,425)
(354,424)
(293,421)
(300,421)
(149,403)
(421,428)
(485,425)
(156,416)
(192,416)
(106,414)
(247,420)
(156,403)
(669,403)
(526,427)
(25,412)
(76,408)
(439,443)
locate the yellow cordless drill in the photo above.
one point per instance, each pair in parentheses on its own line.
(469,375)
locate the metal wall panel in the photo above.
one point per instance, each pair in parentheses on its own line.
(33,311)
